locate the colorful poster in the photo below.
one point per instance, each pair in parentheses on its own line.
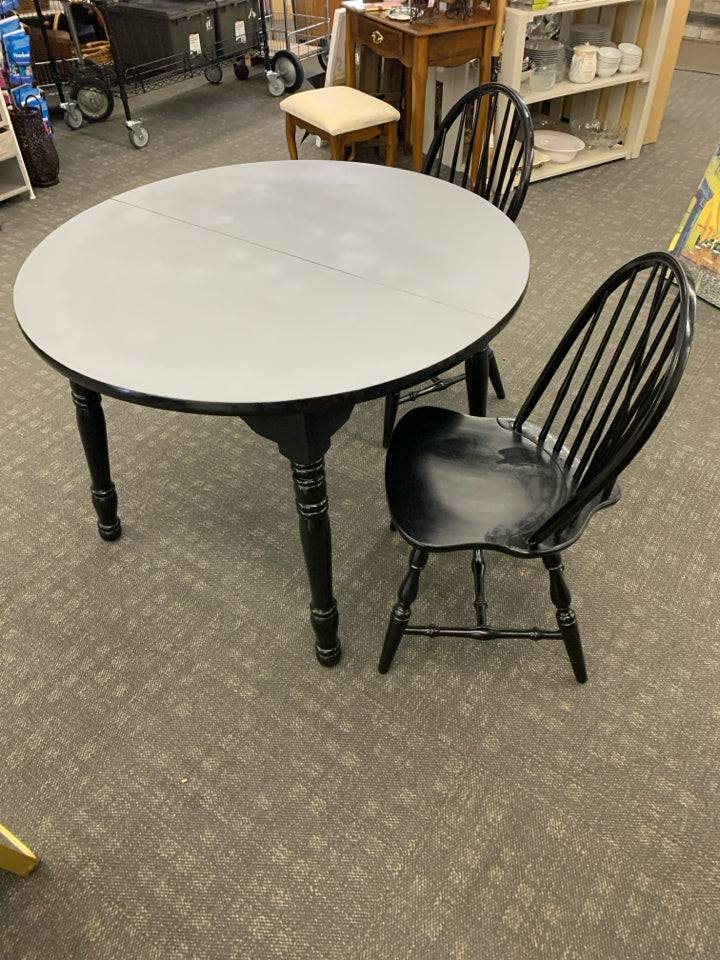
(697,241)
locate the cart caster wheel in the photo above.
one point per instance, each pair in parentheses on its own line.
(73,117)
(290,69)
(242,71)
(93,97)
(139,137)
(214,74)
(276,85)
(323,59)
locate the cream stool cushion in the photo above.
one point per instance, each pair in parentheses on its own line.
(339,110)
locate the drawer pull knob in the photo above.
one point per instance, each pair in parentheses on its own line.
(376,36)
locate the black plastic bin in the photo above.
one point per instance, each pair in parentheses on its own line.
(236,26)
(149,31)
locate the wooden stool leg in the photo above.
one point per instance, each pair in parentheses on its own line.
(337,148)
(290,135)
(353,151)
(392,139)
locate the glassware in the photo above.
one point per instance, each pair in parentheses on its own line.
(543,76)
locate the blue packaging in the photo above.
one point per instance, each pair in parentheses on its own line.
(17,47)
(9,25)
(7,6)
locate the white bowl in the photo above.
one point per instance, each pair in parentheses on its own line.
(609,53)
(632,49)
(560,147)
(603,71)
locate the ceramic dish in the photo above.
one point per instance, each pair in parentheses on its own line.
(560,147)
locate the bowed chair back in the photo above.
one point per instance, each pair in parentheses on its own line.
(484,144)
(528,486)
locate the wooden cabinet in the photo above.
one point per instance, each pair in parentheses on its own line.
(624,99)
(446,42)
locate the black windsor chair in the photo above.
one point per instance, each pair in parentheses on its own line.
(492,155)
(458,482)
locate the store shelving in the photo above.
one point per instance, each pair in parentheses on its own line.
(14,178)
(623,99)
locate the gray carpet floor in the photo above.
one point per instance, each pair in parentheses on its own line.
(197,786)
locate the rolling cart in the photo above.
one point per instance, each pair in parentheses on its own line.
(296,30)
(149,44)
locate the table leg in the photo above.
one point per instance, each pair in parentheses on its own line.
(477,373)
(304,438)
(93,433)
(312,507)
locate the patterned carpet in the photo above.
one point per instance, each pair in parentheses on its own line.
(197,786)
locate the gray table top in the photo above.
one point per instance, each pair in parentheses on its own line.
(271,285)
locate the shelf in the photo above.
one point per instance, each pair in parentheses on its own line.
(623,100)
(14,178)
(566,88)
(564,7)
(586,158)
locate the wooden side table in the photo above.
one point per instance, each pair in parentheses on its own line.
(444,43)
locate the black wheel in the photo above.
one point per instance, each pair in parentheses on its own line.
(214,74)
(139,137)
(288,66)
(323,59)
(73,117)
(93,97)
(242,71)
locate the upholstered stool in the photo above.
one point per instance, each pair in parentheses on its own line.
(343,116)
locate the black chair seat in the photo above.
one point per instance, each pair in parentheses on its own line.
(475,483)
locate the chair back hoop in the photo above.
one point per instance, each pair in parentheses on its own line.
(485,143)
(610,380)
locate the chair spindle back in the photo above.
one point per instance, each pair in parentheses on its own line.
(485,144)
(611,378)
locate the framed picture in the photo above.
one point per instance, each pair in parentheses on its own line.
(697,241)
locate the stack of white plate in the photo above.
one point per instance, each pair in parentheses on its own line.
(597,34)
(631,57)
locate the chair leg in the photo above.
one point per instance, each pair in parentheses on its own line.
(391,407)
(290,135)
(480,603)
(337,148)
(495,377)
(477,374)
(566,619)
(401,611)
(392,139)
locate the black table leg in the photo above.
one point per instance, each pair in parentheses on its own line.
(304,438)
(312,507)
(93,433)
(477,375)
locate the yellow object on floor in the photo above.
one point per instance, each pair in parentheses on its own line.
(14,855)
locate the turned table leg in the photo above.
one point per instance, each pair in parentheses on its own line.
(93,433)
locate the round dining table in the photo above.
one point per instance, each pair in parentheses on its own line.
(280,292)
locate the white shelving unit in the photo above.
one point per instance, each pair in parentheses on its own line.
(623,99)
(14,178)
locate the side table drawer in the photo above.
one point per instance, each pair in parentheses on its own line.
(382,38)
